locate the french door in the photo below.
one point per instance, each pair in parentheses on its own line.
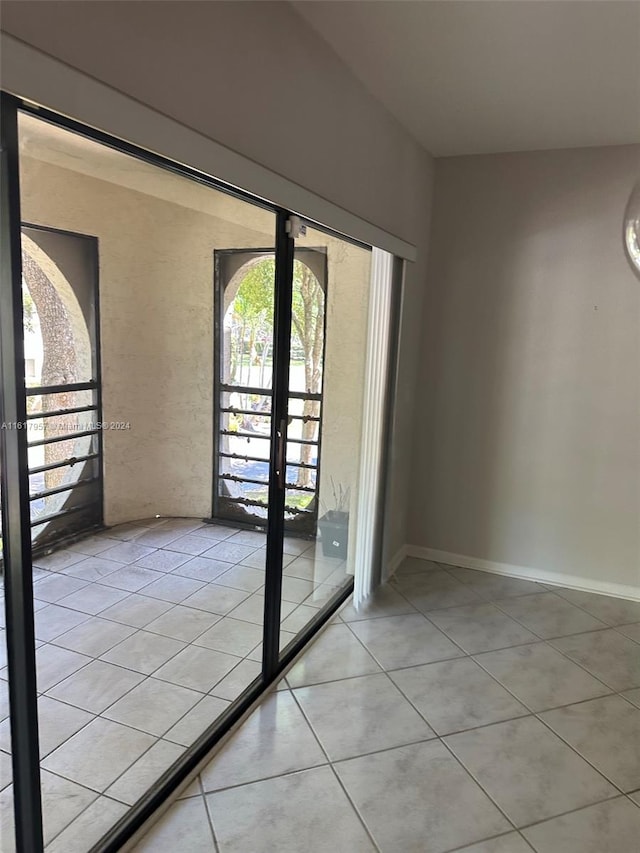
(156,229)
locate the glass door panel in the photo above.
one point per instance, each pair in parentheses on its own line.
(148,628)
(329,313)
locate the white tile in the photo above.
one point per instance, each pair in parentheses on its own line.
(185,827)
(58,560)
(242,577)
(232,636)
(159,537)
(170,587)
(98,753)
(335,654)
(528,771)
(189,544)
(252,609)
(95,686)
(197,668)
(153,706)
(307,809)
(135,781)
(540,676)
(92,545)
(183,623)
(456,694)
(162,561)
(296,590)
(55,587)
(216,599)
(509,843)
(611,827)
(201,569)
(52,620)
(385,601)
(94,637)
(6,770)
(93,568)
(613,611)
(241,676)
(127,552)
(93,599)
(249,537)
(295,547)
(62,801)
(606,732)
(229,553)
(275,739)
(378,717)
(57,721)
(218,532)
(418,798)
(195,721)
(55,664)
(143,651)
(549,615)
(397,641)
(136,611)
(88,827)
(131,578)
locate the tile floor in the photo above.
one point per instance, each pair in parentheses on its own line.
(145,634)
(458,711)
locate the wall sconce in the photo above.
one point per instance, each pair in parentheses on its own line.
(632,229)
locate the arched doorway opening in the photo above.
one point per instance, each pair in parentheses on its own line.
(59,278)
(242,423)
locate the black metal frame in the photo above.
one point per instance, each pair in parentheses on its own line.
(15,503)
(16,528)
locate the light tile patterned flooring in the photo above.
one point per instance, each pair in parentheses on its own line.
(458,711)
(145,634)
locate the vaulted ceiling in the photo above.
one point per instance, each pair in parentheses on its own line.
(478,76)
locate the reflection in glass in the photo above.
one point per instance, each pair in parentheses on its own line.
(149,629)
(327,369)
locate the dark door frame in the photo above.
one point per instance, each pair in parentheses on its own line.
(236,259)
(15,503)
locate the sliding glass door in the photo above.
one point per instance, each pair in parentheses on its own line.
(323,421)
(184,365)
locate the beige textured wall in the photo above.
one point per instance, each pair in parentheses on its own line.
(256,78)
(156,312)
(527,428)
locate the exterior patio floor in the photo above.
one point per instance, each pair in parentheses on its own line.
(145,633)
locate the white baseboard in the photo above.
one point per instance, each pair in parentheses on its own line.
(616,590)
(395,561)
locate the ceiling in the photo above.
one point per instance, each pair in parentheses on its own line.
(480,76)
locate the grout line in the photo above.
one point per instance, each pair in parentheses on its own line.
(336,775)
(579,754)
(261,778)
(522,700)
(485,840)
(570,811)
(207,810)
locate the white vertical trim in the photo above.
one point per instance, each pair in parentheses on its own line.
(372,421)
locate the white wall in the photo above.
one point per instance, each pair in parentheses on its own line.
(256,78)
(528,422)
